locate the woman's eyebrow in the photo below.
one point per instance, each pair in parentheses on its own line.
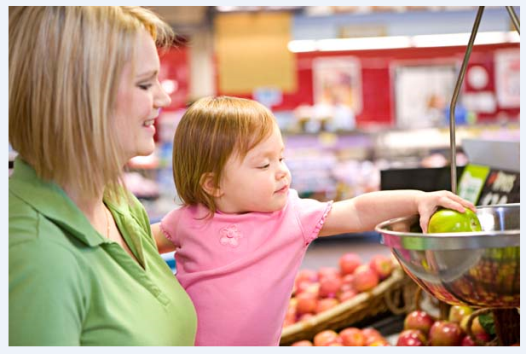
(147,74)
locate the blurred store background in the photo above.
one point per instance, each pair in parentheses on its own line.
(358,91)
(361,93)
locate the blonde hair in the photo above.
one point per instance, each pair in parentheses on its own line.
(65,64)
(210,132)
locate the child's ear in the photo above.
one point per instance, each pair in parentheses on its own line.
(207,183)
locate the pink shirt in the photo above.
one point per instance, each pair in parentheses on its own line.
(239,270)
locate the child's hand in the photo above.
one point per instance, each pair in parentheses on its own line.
(427,204)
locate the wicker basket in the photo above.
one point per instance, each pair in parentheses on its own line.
(395,294)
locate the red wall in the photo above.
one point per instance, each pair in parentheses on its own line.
(377,85)
(175,66)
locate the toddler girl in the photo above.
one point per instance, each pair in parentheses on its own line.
(241,234)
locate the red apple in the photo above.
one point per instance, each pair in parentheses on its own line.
(346,287)
(411,338)
(467,341)
(349,262)
(419,320)
(304,279)
(325,272)
(302,343)
(307,275)
(476,327)
(381,342)
(352,337)
(301,286)
(365,278)
(445,333)
(313,288)
(347,279)
(382,265)
(307,302)
(326,338)
(347,295)
(326,304)
(371,335)
(329,286)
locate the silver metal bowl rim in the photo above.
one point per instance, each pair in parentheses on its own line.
(380,227)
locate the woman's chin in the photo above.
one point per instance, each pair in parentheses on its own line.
(139,156)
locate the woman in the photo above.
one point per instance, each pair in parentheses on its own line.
(83,96)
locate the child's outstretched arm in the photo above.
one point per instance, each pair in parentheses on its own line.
(163,244)
(364,212)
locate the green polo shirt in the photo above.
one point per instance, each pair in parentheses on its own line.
(69,285)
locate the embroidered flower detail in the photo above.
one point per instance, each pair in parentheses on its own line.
(229,236)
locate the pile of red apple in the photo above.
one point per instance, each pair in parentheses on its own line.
(420,329)
(350,337)
(318,291)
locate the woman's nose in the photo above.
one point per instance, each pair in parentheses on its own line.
(162,98)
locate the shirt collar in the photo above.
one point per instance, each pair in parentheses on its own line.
(51,201)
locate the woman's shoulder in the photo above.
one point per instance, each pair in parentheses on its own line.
(43,247)
(27,224)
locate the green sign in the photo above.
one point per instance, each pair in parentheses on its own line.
(472,182)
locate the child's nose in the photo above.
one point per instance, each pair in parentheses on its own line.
(282,172)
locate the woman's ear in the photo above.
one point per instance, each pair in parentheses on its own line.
(207,183)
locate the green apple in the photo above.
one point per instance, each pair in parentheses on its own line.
(447,220)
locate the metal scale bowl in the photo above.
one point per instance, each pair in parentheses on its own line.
(480,269)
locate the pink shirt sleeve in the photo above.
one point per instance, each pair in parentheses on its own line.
(169,225)
(311,216)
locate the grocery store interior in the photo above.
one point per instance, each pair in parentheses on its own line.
(362,95)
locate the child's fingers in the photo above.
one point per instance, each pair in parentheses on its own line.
(423,223)
(450,203)
(467,204)
(455,202)
(464,202)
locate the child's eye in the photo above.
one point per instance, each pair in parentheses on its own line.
(263,167)
(282,159)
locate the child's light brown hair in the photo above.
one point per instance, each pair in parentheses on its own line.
(211,131)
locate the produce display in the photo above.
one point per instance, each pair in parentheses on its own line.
(421,329)
(348,337)
(318,291)
(325,291)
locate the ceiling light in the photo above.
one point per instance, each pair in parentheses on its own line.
(364,43)
(394,42)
